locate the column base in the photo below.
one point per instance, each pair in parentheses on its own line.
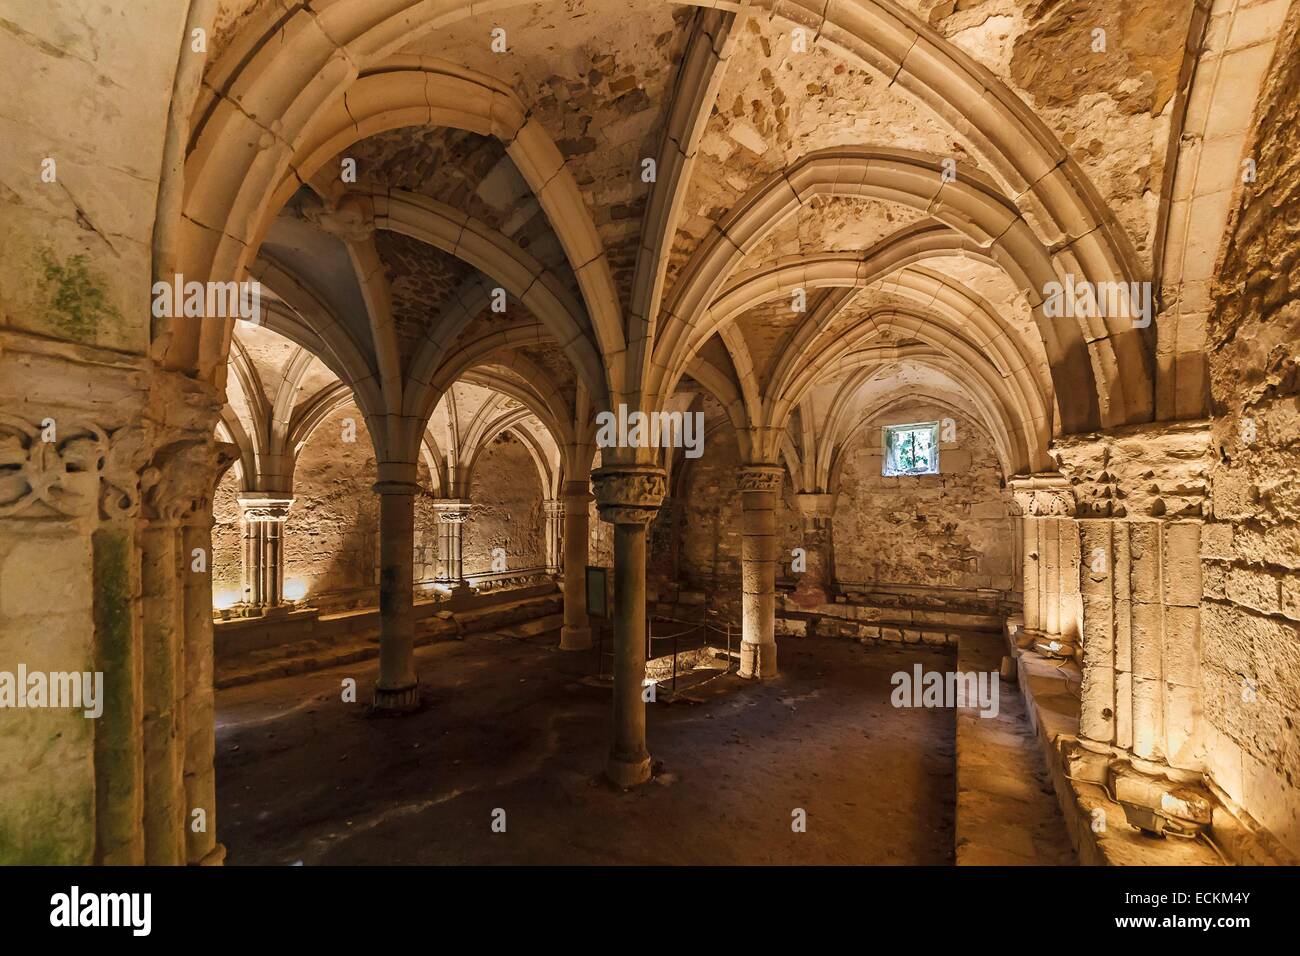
(757,661)
(627,772)
(1049,645)
(575,638)
(214,857)
(397,700)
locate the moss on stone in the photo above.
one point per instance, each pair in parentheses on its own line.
(115,747)
(76,301)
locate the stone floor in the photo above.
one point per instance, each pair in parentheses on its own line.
(1007,812)
(511,723)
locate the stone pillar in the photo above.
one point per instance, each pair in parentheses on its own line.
(1029,572)
(760,486)
(263,528)
(576,633)
(199,719)
(1141,502)
(397,688)
(1050,562)
(553,515)
(452,514)
(628,496)
(1141,587)
(814,584)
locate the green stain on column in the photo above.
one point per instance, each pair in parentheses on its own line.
(117,744)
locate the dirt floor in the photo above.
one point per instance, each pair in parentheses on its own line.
(510,724)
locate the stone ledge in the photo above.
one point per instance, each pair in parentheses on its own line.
(1049,689)
(318,653)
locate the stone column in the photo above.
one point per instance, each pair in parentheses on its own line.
(576,633)
(263,528)
(1050,559)
(628,496)
(452,514)
(815,510)
(397,688)
(1029,572)
(760,486)
(1141,502)
(553,532)
(199,722)
(1141,585)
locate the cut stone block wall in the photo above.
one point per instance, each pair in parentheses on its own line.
(1251,548)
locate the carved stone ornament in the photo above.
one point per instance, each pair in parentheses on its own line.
(760,477)
(1043,497)
(83,471)
(452,511)
(629,494)
(1046,503)
(178,484)
(257,508)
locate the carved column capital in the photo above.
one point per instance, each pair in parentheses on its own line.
(256,507)
(451,510)
(629,494)
(1043,496)
(553,507)
(760,477)
(178,483)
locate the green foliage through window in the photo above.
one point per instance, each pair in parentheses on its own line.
(911,449)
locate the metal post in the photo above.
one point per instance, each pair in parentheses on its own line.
(676,634)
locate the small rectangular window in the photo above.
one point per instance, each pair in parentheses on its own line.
(911,449)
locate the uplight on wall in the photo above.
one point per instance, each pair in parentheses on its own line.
(221,600)
(295,589)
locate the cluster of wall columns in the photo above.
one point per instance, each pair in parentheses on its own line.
(452,513)
(1050,564)
(553,533)
(262,517)
(1122,595)
(108,531)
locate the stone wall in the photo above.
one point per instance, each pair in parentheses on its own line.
(507,497)
(695,542)
(949,530)
(227,544)
(1251,546)
(330,536)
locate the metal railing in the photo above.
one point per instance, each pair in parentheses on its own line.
(701,628)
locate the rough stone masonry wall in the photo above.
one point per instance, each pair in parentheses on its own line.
(695,544)
(949,530)
(330,536)
(507,497)
(227,543)
(1251,547)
